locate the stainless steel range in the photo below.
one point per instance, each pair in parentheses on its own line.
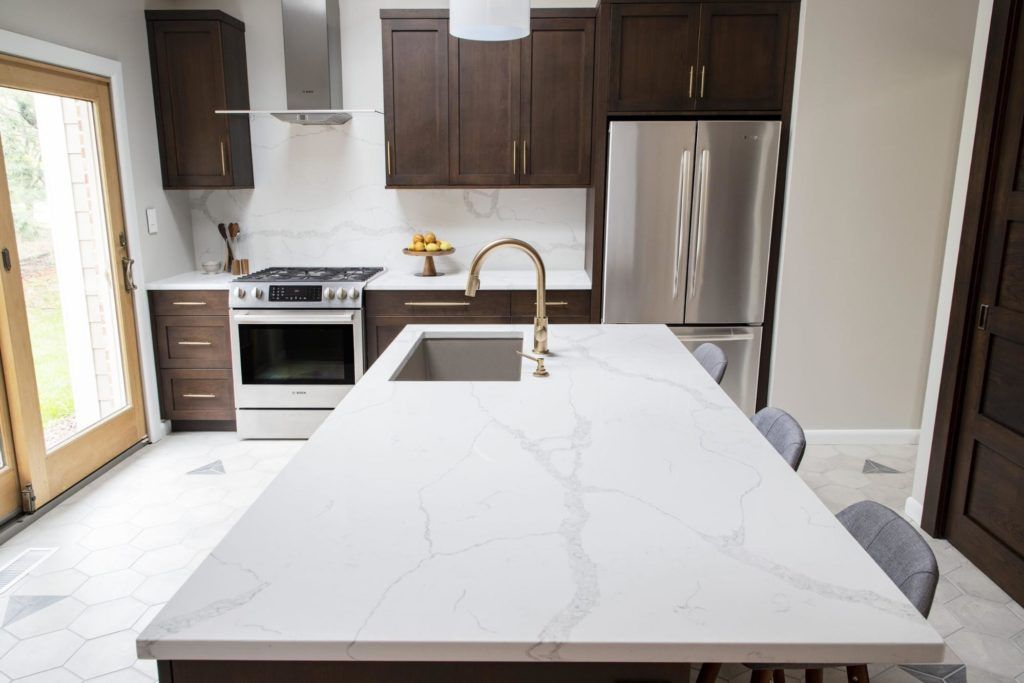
(297,346)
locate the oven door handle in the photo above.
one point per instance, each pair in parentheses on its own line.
(247,317)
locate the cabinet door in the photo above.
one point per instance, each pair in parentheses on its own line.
(557,102)
(416,101)
(743,49)
(484,103)
(188,69)
(654,57)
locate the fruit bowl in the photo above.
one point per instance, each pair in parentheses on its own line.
(428,264)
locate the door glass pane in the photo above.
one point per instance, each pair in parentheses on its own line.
(51,157)
(296,354)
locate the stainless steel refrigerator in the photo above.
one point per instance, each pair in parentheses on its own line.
(688,230)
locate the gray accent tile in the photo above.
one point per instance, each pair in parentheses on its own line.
(215,467)
(872,467)
(938,673)
(20,606)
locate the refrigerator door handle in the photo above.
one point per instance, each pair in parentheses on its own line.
(681,212)
(702,206)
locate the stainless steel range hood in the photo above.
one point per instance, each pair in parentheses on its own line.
(312,65)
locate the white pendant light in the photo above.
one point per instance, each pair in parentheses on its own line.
(489,19)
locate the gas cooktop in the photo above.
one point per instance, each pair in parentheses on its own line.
(320,275)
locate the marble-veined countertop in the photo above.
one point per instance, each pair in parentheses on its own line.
(622,509)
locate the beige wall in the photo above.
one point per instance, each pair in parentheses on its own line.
(877,120)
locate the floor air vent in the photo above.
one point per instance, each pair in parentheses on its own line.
(13,571)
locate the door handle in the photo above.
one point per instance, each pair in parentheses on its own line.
(684,181)
(703,73)
(515,157)
(195,343)
(388,146)
(129,276)
(199,395)
(6,255)
(435,304)
(696,252)
(691,82)
(223,159)
(524,158)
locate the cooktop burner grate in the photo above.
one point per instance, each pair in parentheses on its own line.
(311,275)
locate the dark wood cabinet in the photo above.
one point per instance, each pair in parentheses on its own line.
(193,356)
(416,101)
(654,56)
(198,66)
(484,103)
(388,312)
(743,50)
(689,56)
(513,112)
(557,102)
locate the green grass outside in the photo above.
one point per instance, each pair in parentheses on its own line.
(49,346)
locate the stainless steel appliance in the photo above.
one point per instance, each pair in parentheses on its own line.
(688,229)
(297,346)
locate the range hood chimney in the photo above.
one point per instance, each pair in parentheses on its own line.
(312,62)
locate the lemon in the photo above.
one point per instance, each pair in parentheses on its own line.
(429,238)
(432,246)
(417,238)
(445,246)
(418,246)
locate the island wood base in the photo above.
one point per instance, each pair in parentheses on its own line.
(419,672)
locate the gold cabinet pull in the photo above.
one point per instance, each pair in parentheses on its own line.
(387,144)
(195,343)
(525,171)
(703,70)
(557,304)
(435,304)
(199,395)
(223,159)
(515,157)
(188,303)
(691,81)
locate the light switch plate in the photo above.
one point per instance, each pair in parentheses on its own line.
(151,221)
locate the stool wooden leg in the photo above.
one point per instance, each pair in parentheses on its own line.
(760,676)
(815,676)
(857,674)
(708,673)
(779,676)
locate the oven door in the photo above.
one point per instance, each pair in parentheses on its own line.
(295,358)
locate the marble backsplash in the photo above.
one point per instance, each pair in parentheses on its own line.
(320,200)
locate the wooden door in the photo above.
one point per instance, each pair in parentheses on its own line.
(743,48)
(416,101)
(484,91)
(985,513)
(189,87)
(654,57)
(557,102)
(68,338)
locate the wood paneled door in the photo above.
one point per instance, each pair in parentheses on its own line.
(980,425)
(416,101)
(67,327)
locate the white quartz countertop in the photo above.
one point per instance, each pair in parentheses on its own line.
(489,279)
(193,280)
(621,510)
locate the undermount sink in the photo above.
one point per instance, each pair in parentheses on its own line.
(463,357)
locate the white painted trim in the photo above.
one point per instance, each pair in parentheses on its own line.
(41,51)
(866,437)
(913,509)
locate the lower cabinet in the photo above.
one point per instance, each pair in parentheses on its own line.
(388,312)
(193,355)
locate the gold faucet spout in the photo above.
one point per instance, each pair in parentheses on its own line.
(540,321)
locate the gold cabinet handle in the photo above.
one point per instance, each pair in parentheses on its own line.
(434,304)
(691,81)
(515,157)
(223,159)
(387,144)
(525,171)
(195,343)
(554,303)
(703,70)
(199,395)
(188,303)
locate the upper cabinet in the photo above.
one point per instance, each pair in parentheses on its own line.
(198,64)
(689,56)
(492,114)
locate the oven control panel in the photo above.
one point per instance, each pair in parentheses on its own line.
(296,293)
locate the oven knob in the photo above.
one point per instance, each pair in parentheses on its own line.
(328,293)
(342,294)
(354,294)
(257,292)
(240,292)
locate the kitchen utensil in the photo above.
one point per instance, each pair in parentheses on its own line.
(223,230)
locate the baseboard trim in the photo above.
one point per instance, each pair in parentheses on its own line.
(913,509)
(898,437)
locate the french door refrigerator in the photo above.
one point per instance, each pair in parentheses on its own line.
(688,230)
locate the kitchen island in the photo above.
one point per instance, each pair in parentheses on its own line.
(607,522)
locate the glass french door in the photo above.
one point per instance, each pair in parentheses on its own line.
(68,332)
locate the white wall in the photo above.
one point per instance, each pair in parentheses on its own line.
(877,120)
(116,29)
(320,197)
(949,263)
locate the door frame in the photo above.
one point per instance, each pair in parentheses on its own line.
(964,301)
(27,47)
